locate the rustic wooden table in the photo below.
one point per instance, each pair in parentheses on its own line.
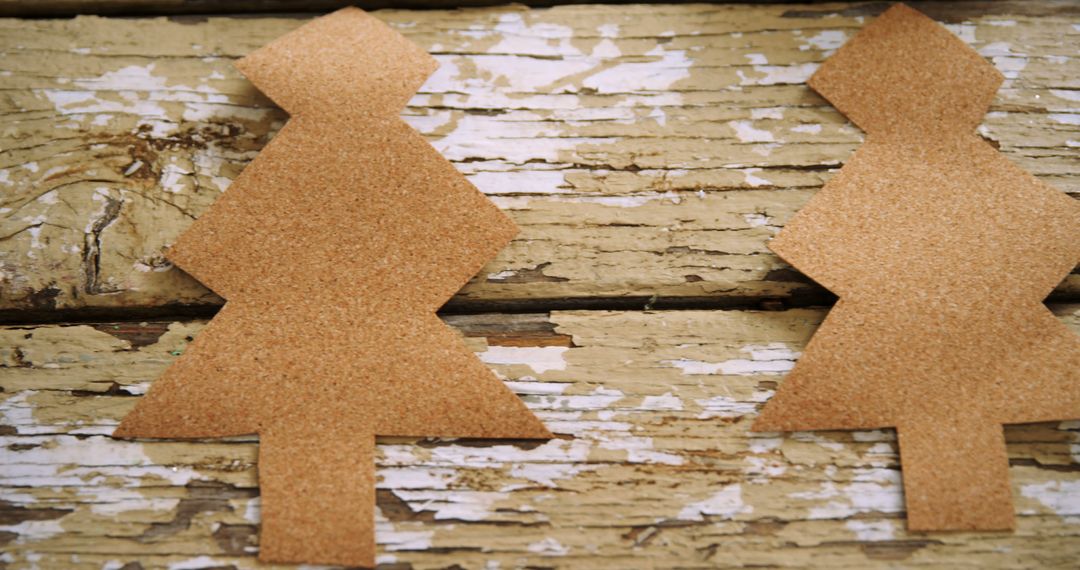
(648,154)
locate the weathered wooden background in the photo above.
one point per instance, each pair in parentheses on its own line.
(647,152)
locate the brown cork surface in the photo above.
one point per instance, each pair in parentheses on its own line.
(311,247)
(941,251)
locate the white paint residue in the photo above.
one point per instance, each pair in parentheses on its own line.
(770,359)
(513,141)
(757,58)
(730,407)
(542,38)
(173,177)
(536,388)
(966,31)
(598,399)
(775,113)
(639,450)
(19,414)
(875,490)
(811,437)
(745,132)
(660,74)
(1001,23)
(665,402)
(453,505)
(779,74)
(556,451)
(253,510)
(50,463)
(409,477)
(827,40)
(608,30)
(546,474)
(757,220)
(872,531)
(519,182)
(1066,94)
(726,504)
(396,540)
(540,358)
(606,49)
(751,179)
(765,444)
(549,547)
(1065,118)
(808,129)
(197,563)
(34,531)
(1061,497)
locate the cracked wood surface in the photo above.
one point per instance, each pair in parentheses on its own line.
(653,465)
(647,152)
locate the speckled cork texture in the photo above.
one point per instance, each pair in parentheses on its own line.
(341,239)
(941,251)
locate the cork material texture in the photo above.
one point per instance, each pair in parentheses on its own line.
(942,252)
(341,239)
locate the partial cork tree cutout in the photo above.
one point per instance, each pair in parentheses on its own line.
(334,249)
(941,251)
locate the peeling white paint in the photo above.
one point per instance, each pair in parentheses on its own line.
(726,504)
(196,563)
(658,75)
(549,547)
(875,491)
(664,402)
(598,399)
(1061,497)
(638,449)
(751,179)
(66,460)
(547,474)
(747,133)
(872,531)
(724,407)
(540,358)
(1066,94)
(965,31)
(826,40)
(757,220)
(778,74)
(760,113)
(453,505)
(1065,118)
(808,129)
(770,359)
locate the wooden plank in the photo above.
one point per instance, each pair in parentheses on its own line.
(60,8)
(653,465)
(648,152)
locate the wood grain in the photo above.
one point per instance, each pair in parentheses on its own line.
(653,466)
(647,152)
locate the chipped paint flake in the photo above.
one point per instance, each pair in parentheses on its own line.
(725,504)
(540,358)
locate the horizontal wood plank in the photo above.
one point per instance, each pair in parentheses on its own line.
(647,152)
(653,465)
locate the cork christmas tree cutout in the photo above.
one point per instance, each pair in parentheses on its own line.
(941,252)
(334,249)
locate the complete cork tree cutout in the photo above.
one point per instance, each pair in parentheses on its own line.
(334,249)
(942,252)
